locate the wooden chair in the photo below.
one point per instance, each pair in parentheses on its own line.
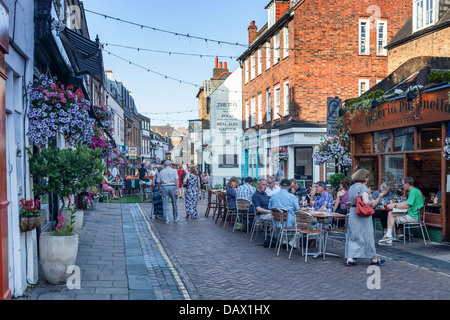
(243,210)
(279,218)
(212,203)
(229,212)
(303,227)
(221,205)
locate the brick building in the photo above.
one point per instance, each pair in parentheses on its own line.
(407,137)
(309,51)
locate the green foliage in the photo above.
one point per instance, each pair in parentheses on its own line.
(218,187)
(439,76)
(65,171)
(335,180)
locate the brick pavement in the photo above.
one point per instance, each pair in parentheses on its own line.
(124,254)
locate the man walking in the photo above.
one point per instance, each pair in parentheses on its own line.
(167,183)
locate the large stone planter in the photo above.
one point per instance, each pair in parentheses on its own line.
(78,221)
(57,253)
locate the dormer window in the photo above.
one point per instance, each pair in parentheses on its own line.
(424,13)
(271,14)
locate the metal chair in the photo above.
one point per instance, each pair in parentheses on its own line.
(279,221)
(230,212)
(303,227)
(104,193)
(243,209)
(257,224)
(336,234)
(420,224)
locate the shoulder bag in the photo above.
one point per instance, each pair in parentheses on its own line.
(186,183)
(362,209)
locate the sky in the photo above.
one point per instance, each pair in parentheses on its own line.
(225,20)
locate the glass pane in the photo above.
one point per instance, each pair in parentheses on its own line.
(393,172)
(404,139)
(430,138)
(371,165)
(303,164)
(382,141)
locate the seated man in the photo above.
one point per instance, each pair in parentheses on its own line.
(324,201)
(246,192)
(412,204)
(272,186)
(260,200)
(285,200)
(380,198)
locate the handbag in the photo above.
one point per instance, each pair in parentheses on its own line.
(186,184)
(362,209)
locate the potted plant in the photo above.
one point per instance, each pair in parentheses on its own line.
(30,214)
(58,249)
(64,172)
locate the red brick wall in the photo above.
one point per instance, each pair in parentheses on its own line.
(327,62)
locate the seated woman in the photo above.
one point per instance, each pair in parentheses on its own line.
(231,192)
(342,198)
(381,198)
(107,187)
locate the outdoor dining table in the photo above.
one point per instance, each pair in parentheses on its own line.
(321,216)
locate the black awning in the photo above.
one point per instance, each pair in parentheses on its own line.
(84,54)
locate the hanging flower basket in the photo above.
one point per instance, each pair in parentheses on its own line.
(279,155)
(56,109)
(446,150)
(30,215)
(337,147)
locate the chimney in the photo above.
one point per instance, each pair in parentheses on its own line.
(225,65)
(217,63)
(220,65)
(252,32)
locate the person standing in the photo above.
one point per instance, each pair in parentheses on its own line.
(167,184)
(360,241)
(181,178)
(192,190)
(158,210)
(142,172)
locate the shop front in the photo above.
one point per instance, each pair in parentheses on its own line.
(403,138)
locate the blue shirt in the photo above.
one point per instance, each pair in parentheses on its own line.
(285,200)
(245,192)
(231,195)
(260,200)
(325,199)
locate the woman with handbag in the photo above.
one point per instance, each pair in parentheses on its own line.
(192,188)
(360,241)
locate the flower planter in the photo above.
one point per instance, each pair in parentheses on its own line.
(77,221)
(94,204)
(28,223)
(57,253)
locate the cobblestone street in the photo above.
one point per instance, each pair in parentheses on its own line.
(123,254)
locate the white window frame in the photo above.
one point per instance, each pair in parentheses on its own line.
(285,41)
(259,61)
(360,81)
(268,105)
(253,112)
(252,66)
(425,13)
(286,99)
(246,70)
(276,48)
(268,58)
(259,120)
(381,50)
(247,120)
(364,49)
(276,102)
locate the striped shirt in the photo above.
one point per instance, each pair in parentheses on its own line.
(168,177)
(245,191)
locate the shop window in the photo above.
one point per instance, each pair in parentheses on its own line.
(404,139)
(371,164)
(392,171)
(303,163)
(363,143)
(382,141)
(430,138)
